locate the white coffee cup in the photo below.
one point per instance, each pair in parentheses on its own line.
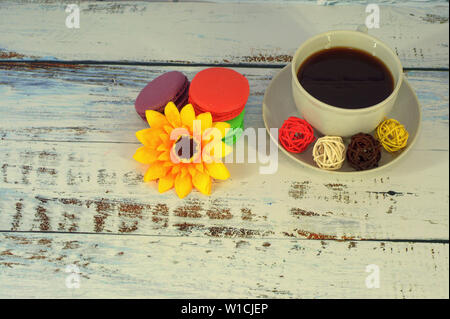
(331,120)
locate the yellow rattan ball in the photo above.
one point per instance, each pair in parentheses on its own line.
(392,135)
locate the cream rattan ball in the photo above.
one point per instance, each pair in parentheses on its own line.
(329,152)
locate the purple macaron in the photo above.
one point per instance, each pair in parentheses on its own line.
(171,86)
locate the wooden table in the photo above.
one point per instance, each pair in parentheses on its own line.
(71,197)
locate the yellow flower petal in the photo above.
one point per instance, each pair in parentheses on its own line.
(218,150)
(155,171)
(226,149)
(164,137)
(206,120)
(192,170)
(208,135)
(199,167)
(164,157)
(165,183)
(145,155)
(217,170)
(175,170)
(149,137)
(156,119)
(143,136)
(202,182)
(168,164)
(168,129)
(187,116)
(183,185)
(161,148)
(172,114)
(184,171)
(222,127)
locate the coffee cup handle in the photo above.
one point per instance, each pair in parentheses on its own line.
(362,28)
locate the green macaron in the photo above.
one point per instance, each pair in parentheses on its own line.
(236,129)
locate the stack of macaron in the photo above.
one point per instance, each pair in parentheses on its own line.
(169,87)
(222,92)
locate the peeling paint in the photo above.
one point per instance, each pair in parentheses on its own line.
(301,212)
(298,190)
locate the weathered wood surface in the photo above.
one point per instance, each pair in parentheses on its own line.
(68,137)
(211,32)
(34,265)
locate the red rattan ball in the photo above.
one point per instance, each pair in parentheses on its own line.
(296,134)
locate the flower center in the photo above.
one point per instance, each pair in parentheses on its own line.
(185,148)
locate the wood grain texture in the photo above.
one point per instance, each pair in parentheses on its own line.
(34,265)
(66,102)
(70,194)
(222,33)
(68,137)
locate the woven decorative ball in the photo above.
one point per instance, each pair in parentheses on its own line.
(329,152)
(363,152)
(296,134)
(392,135)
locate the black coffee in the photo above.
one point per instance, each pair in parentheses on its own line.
(346,77)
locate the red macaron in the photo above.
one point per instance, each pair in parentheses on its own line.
(222,92)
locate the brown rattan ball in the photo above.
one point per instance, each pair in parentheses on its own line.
(363,152)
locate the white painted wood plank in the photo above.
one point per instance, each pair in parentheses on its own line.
(408,3)
(33,266)
(79,187)
(60,102)
(210,32)
(398,3)
(68,136)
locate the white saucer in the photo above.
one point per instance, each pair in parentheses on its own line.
(278,105)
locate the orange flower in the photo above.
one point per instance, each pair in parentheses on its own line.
(183,150)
